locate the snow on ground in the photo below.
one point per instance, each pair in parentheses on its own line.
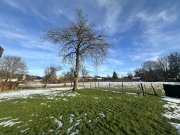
(170,99)
(50,93)
(132,84)
(60,124)
(8,123)
(173,110)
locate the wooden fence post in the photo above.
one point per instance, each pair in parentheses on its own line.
(145,90)
(122,87)
(142,89)
(109,85)
(154,90)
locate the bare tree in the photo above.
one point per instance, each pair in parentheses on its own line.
(162,68)
(84,73)
(79,42)
(50,73)
(174,64)
(70,75)
(11,66)
(129,75)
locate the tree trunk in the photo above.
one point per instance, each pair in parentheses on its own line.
(76,73)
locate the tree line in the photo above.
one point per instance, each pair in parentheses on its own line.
(166,68)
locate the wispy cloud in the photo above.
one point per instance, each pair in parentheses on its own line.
(112,12)
(15,4)
(139,31)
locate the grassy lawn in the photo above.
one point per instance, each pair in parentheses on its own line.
(89,112)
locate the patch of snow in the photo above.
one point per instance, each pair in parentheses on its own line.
(102,115)
(78,122)
(60,124)
(51,130)
(5,118)
(25,130)
(9,123)
(176,125)
(170,99)
(85,114)
(50,93)
(90,121)
(65,99)
(69,129)
(173,110)
(96,98)
(131,93)
(43,103)
(71,118)
(61,117)
(75,133)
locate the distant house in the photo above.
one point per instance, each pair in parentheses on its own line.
(21,77)
(136,78)
(38,79)
(98,78)
(33,78)
(16,78)
(87,78)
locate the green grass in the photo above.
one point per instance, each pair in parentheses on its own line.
(95,112)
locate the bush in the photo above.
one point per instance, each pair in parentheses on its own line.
(8,86)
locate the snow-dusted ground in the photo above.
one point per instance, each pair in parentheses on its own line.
(96,84)
(133,84)
(8,122)
(50,92)
(173,110)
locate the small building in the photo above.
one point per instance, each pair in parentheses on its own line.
(21,77)
(98,78)
(136,78)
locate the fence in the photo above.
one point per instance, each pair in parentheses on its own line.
(155,88)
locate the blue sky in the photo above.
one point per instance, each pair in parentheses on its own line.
(138,30)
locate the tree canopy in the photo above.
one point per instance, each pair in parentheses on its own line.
(79,42)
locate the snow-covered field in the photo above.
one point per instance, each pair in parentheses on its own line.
(99,84)
(50,93)
(172,104)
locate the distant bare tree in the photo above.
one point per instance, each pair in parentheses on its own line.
(50,73)
(129,75)
(84,73)
(78,42)
(174,64)
(162,68)
(71,75)
(11,66)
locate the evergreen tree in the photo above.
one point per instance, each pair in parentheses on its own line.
(115,76)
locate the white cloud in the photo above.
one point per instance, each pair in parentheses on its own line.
(113,11)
